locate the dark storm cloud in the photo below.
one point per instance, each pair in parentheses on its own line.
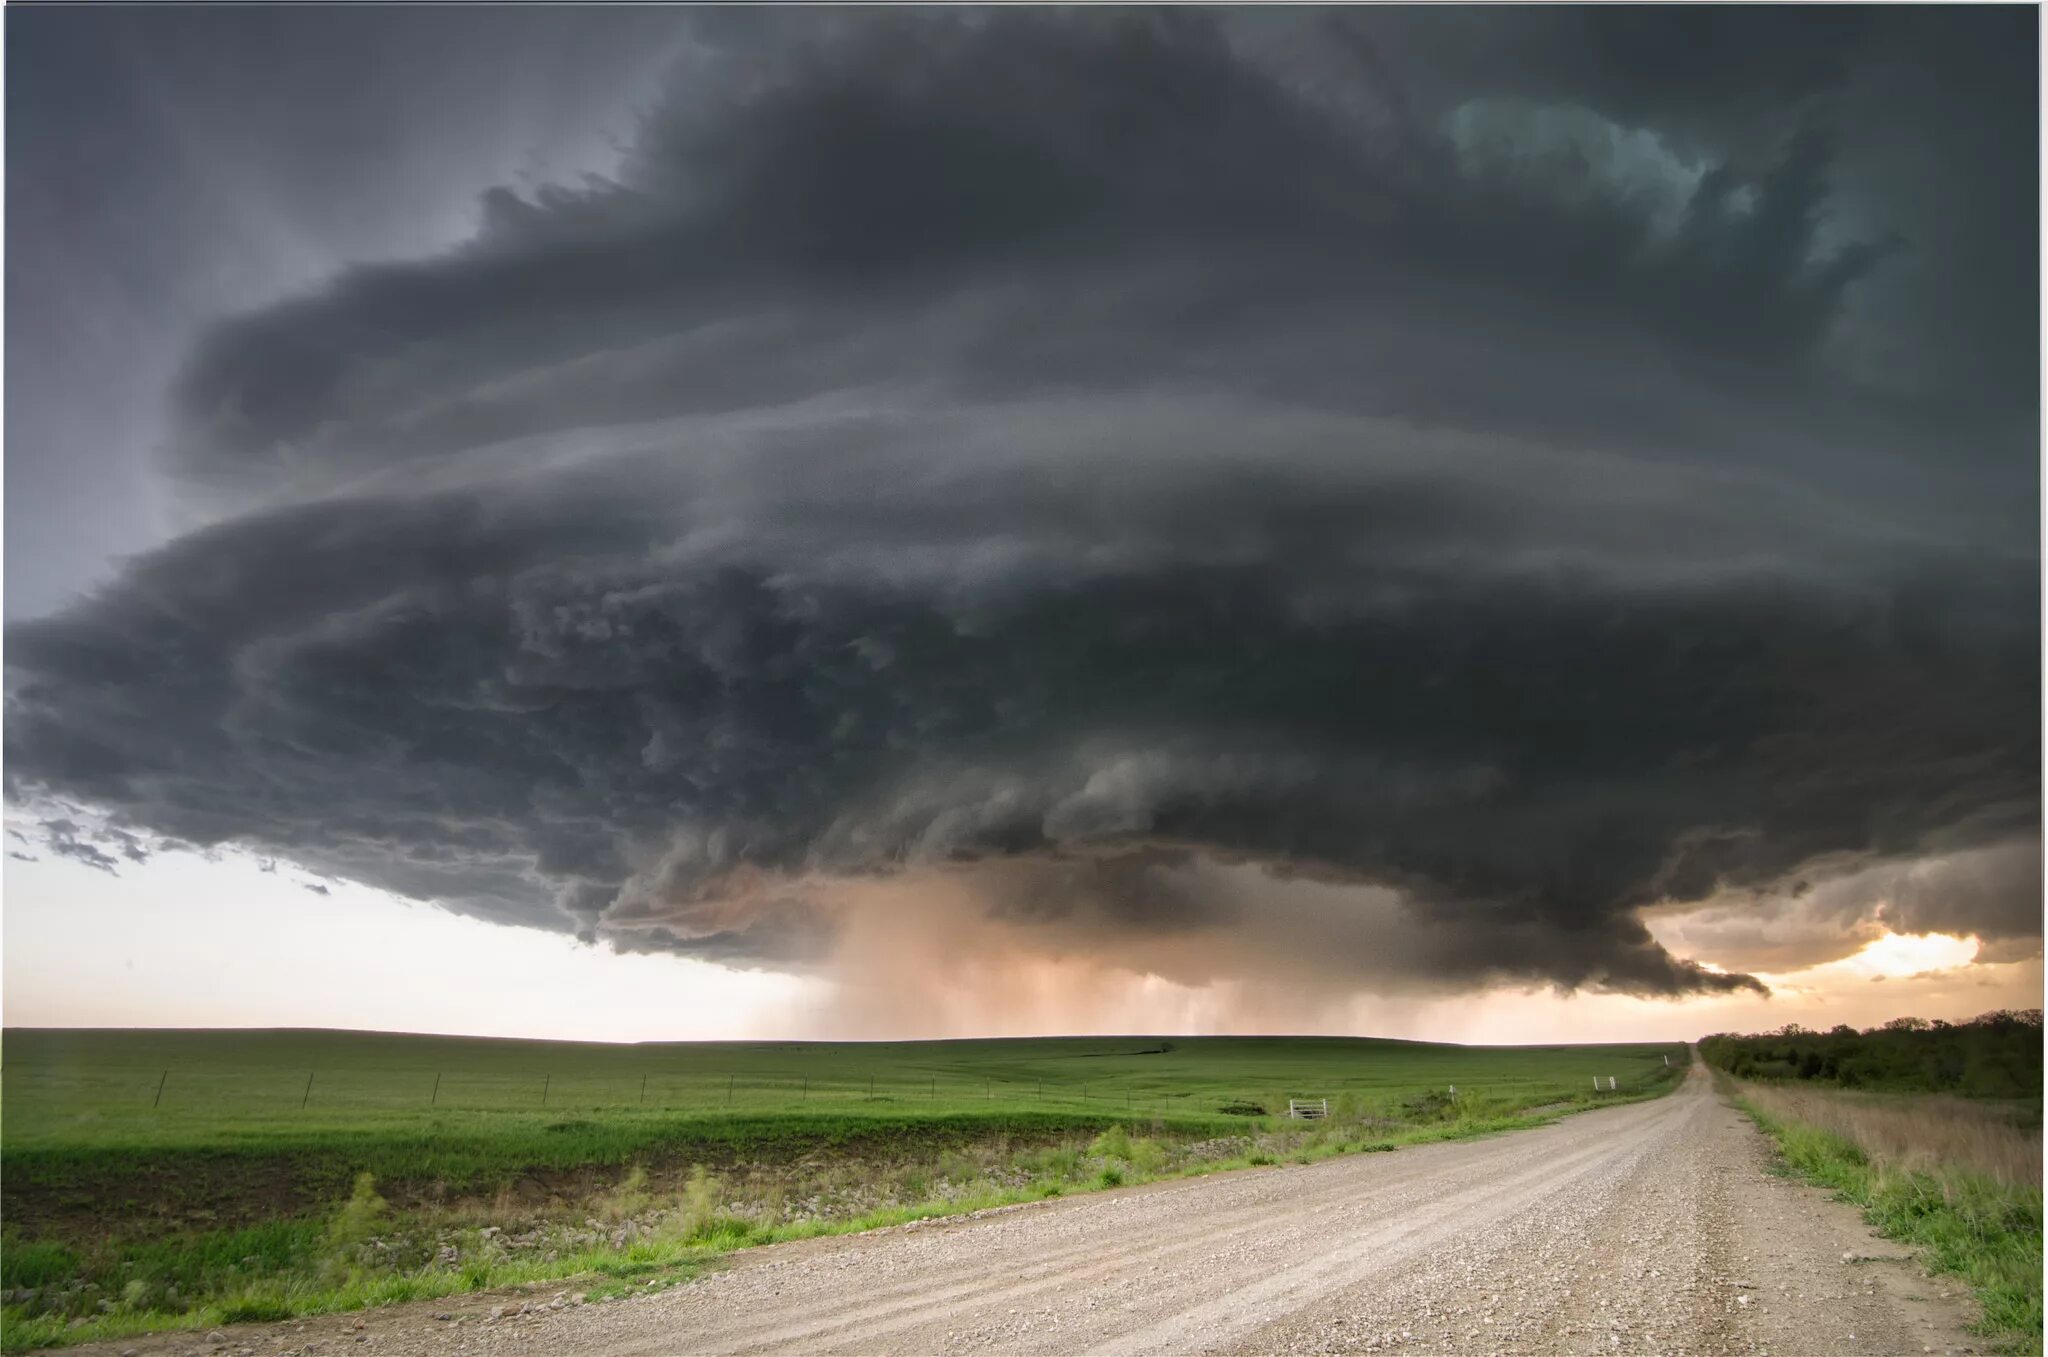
(1112,460)
(1994,894)
(168,166)
(916,159)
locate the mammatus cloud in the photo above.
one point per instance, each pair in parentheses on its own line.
(1092,478)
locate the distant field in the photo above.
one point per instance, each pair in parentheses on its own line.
(161,1178)
(109,1089)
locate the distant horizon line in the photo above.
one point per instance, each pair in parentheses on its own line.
(7,1030)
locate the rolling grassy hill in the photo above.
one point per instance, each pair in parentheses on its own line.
(159,1088)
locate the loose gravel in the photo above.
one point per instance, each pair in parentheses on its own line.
(1656,1228)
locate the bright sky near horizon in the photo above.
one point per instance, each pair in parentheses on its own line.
(117,955)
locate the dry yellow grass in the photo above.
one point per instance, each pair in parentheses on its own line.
(1928,1133)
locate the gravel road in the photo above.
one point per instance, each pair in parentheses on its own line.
(1651,1228)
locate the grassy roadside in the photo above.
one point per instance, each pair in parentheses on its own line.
(643,1230)
(1973,1224)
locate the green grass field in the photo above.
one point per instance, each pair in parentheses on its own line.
(157,1089)
(169,1178)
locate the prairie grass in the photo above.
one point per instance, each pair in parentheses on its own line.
(1918,1133)
(1946,1176)
(699,1204)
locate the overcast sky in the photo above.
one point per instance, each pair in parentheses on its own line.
(876,522)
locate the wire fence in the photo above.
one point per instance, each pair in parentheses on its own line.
(222,1090)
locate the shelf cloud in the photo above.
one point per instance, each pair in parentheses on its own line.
(1376,495)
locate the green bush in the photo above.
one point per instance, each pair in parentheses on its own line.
(1146,1155)
(1114,1143)
(1997,1055)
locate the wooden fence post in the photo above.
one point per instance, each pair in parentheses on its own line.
(158,1099)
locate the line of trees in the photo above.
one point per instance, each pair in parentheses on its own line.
(1997,1055)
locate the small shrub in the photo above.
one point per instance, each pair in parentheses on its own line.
(700,1203)
(700,1219)
(1146,1155)
(1111,1177)
(359,1217)
(1242,1109)
(629,1198)
(1115,1143)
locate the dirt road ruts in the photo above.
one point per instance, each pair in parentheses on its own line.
(1654,1228)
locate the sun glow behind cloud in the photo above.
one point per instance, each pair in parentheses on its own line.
(1891,956)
